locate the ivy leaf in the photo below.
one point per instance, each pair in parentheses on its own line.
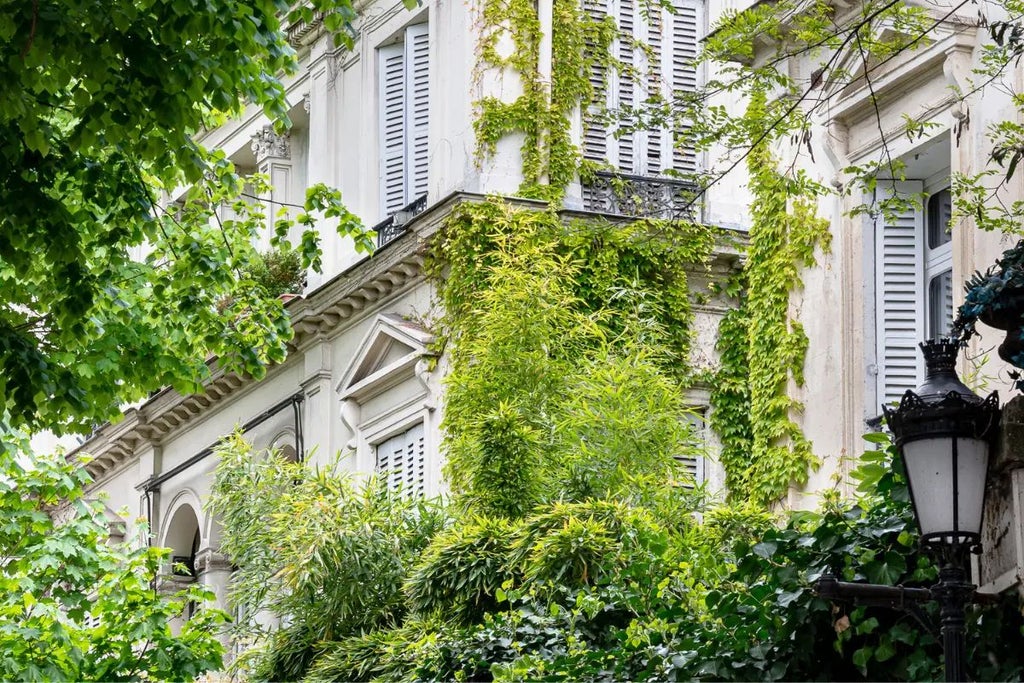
(786,598)
(861,657)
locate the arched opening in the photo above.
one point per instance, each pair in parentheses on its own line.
(183,538)
(286,444)
(287,452)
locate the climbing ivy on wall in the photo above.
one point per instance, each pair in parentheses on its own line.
(619,266)
(542,314)
(761,344)
(550,159)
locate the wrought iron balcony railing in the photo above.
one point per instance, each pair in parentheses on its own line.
(393,227)
(641,196)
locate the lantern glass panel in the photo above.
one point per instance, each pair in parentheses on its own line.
(929,464)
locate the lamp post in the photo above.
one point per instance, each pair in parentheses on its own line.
(943,432)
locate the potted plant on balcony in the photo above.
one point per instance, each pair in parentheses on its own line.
(278,272)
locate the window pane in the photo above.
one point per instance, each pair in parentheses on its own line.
(940,211)
(940,305)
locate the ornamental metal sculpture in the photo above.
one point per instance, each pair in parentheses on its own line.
(996,298)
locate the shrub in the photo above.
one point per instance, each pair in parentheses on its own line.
(278,271)
(321,552)
(460,573)
(384,655)
(576,544)
(621,428)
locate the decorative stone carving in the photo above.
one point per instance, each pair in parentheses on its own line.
(837,147)
(266,143)
(208,560)
(958,70)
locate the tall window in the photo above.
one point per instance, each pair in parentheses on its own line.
(913,286)
(661,70)
(938,265)
(404,98)
(401,461)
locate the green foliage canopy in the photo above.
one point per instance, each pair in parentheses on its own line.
(618,590)
(76,605)
(104,294)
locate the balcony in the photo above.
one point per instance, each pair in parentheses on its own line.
(640,196)
(393,227)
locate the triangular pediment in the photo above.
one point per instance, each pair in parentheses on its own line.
(384,351)
(386,355)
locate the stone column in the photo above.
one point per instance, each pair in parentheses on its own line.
(316,409)
(274,160)
(213,570)
(168,584)
(329,122)
(1001,565)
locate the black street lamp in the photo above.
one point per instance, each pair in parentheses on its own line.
(944,432)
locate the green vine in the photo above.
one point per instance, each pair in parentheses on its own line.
(761,345)
(622,270)
(550,160)
(535,308)
(762,349)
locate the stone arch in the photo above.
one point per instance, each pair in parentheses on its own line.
(284,443)
(183,532)
(212,533)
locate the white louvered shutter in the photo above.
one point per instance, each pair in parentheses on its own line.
(682,76)
(401,461)
(417,96)
(661,69)
(899,300)
(695,465)
(392,128)
(595,132)
(627,19)
(653,142)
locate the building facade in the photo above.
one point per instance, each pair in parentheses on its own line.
(391,124)
(923,119)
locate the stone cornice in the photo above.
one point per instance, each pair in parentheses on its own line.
(341,298)
(318,316)
(303,33)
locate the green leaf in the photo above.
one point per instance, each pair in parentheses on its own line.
(861,657)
